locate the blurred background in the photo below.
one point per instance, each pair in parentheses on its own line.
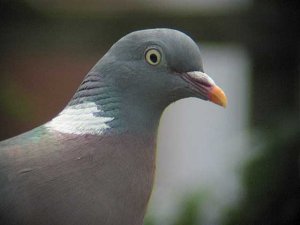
(235,166)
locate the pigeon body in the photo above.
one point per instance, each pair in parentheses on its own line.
(94,163)
(56,178)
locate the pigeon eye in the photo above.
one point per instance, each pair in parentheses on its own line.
(153,57)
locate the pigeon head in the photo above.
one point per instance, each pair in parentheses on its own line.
(142,74)
(159,66)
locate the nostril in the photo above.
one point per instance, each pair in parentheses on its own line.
(202,78)
(203,82)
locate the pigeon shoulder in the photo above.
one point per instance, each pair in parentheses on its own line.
(33,136)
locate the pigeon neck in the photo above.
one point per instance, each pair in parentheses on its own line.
(136,117)
(98,109)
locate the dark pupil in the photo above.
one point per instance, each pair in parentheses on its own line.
(153,58)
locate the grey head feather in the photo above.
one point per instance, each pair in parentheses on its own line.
(124,85)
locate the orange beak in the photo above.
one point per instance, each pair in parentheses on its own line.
(205,87)
(217,96)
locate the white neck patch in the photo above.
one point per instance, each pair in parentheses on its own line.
(79,119)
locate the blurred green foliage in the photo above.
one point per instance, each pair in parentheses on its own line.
(189,213)
(272,180)
(15,102)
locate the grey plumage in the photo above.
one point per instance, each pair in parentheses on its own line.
(98,168)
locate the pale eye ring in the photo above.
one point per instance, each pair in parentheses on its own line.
(153,56)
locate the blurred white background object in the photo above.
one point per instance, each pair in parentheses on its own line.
(201,145)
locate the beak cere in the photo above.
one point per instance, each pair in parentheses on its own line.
(206,87)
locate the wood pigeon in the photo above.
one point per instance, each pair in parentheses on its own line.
(94,162)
